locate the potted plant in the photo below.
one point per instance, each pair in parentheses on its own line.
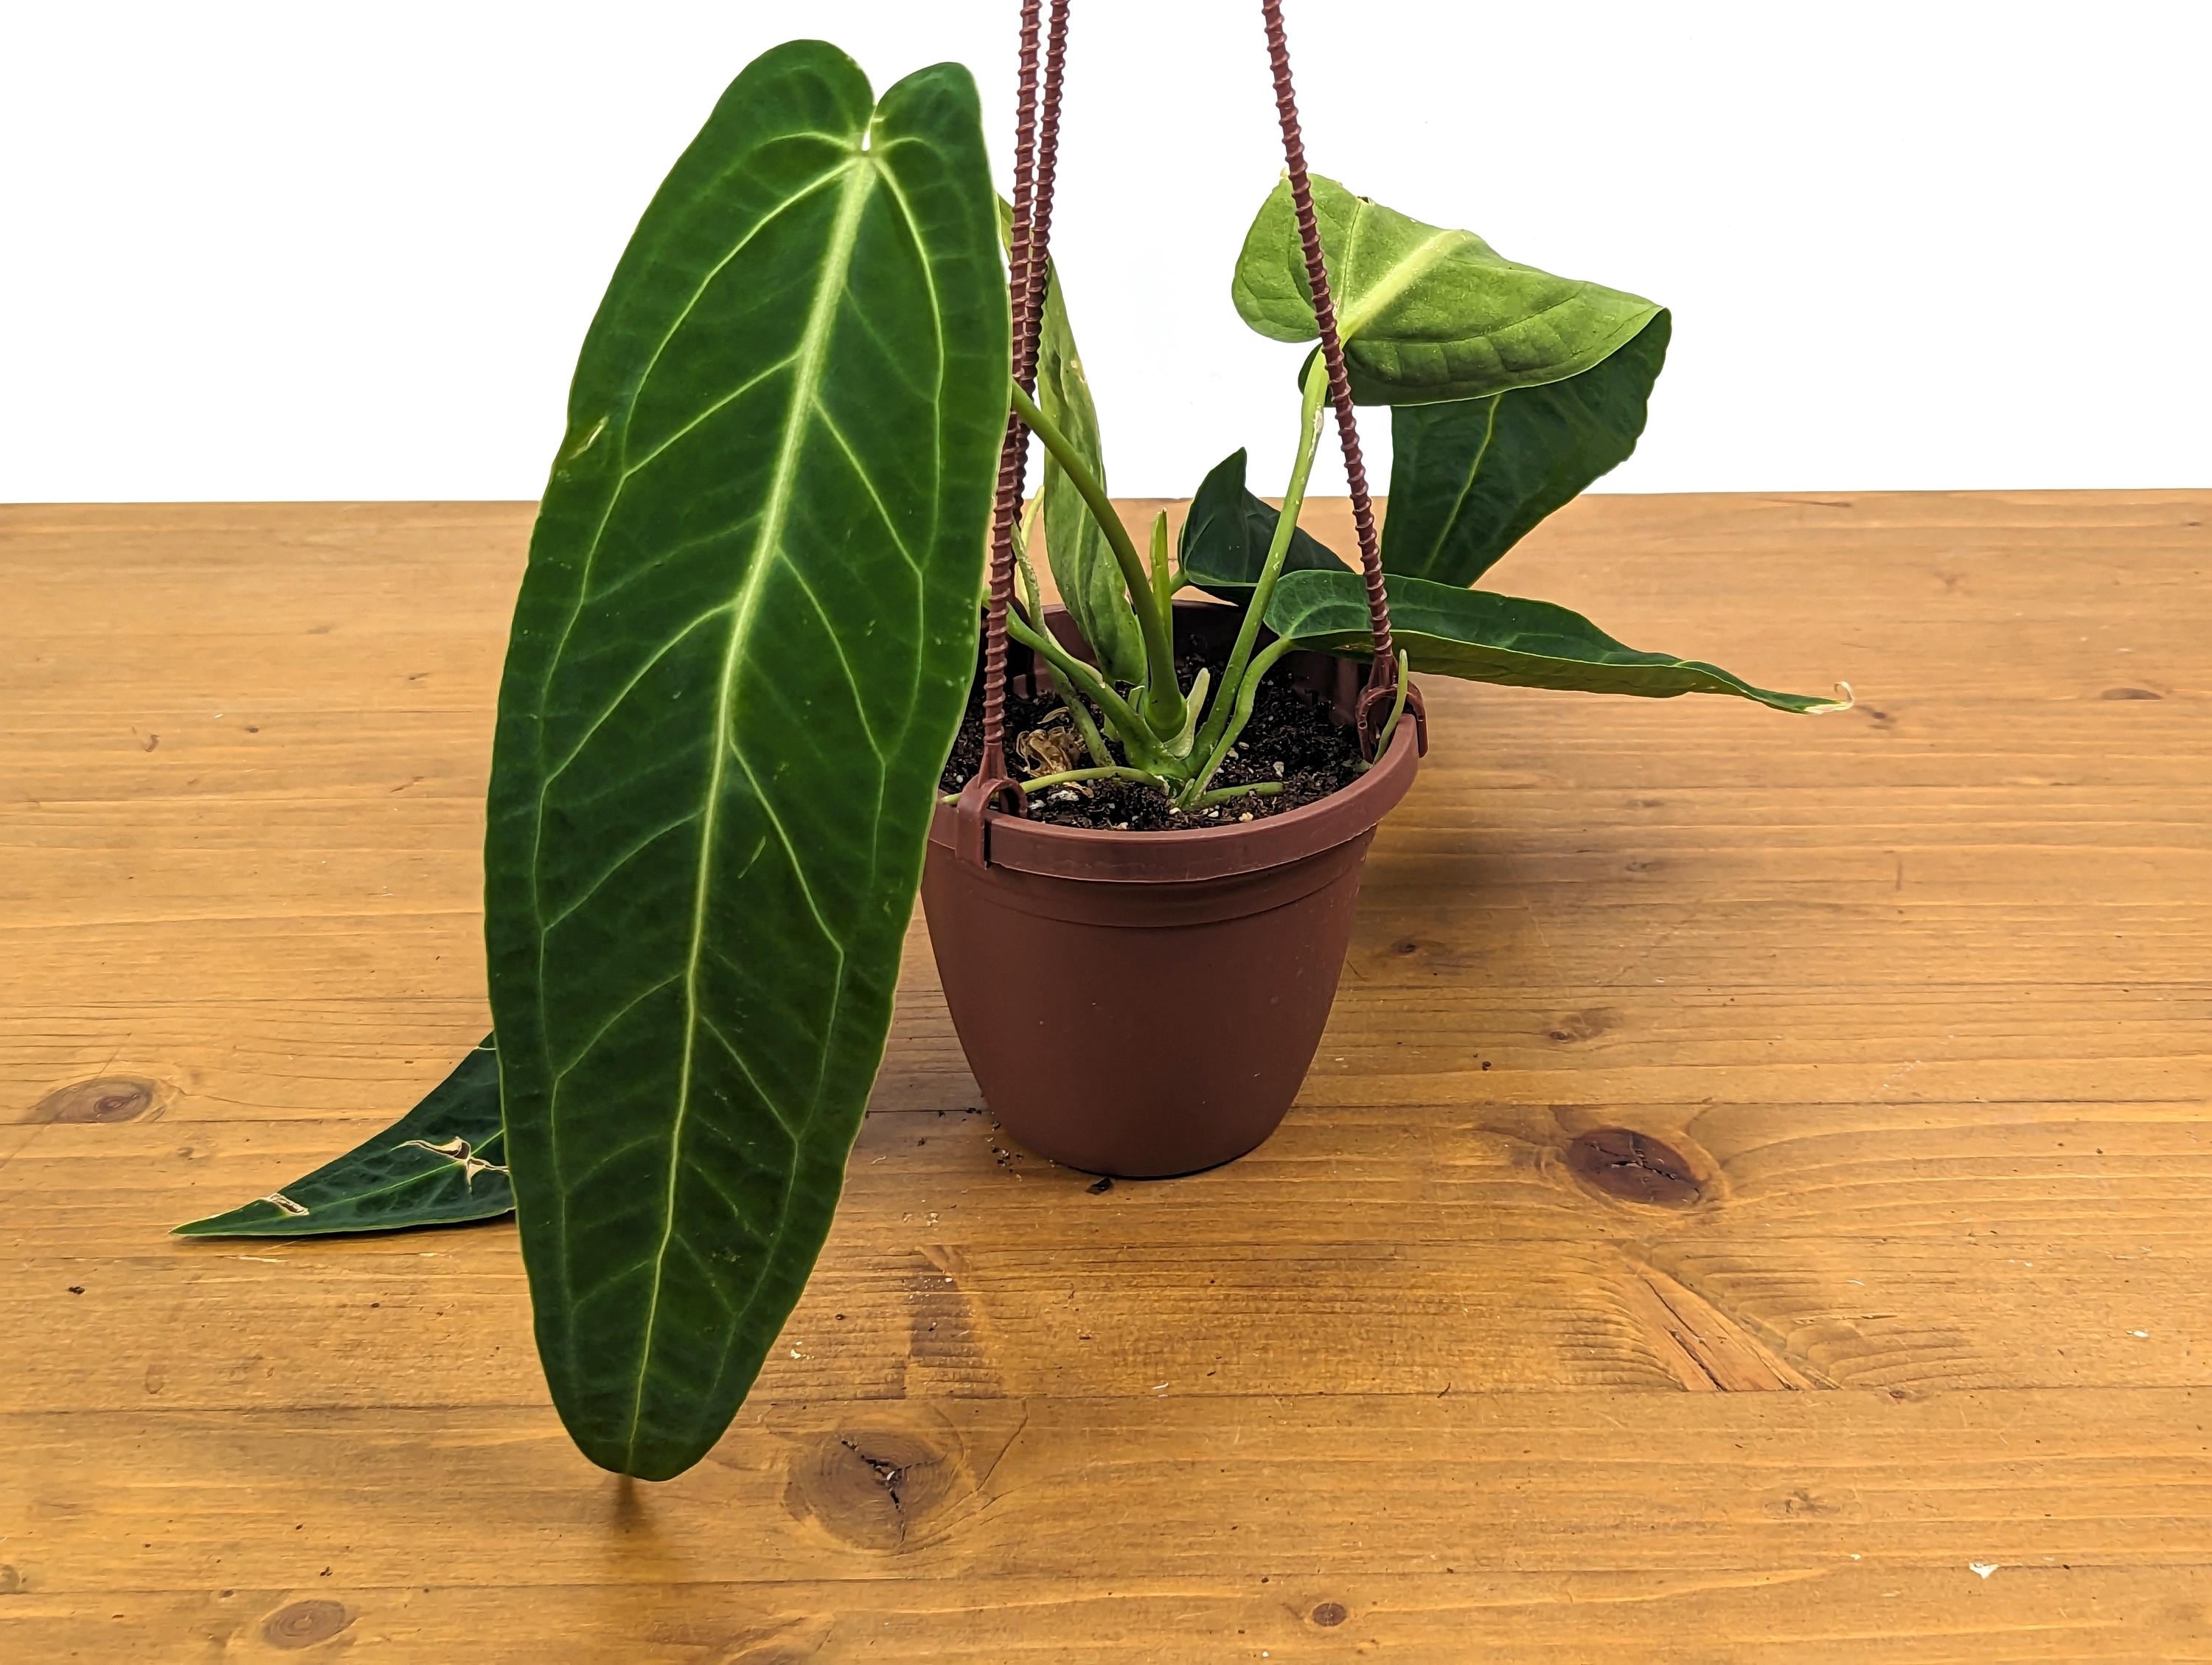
(747,643)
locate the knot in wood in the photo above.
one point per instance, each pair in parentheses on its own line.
(1634,1167)
(104,1098)
(869,1489)
(303,1624)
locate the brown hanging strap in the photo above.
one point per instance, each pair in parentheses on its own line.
(1037,148)
(1380,692)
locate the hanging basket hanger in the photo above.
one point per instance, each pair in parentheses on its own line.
(1037,146)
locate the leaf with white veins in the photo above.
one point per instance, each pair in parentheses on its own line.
(1425,314)
(738,658)
(439,1164)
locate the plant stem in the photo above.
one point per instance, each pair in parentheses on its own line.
(1223,795)
(1136,737)
(1397,705)
(1163,702)
(1279,548)
(1110,772)
(1241,714)
(1033,610)
(1162,580)
(1093,742)
(1044,783)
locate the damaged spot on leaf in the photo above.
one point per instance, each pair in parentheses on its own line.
(457,1150)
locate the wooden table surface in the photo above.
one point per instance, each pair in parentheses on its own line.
(1915,1364)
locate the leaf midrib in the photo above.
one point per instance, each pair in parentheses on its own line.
(806,381)
(1430,249)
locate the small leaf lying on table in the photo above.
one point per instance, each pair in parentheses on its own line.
(1483,637)
(441,1162)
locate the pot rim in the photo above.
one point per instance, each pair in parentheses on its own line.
(1111,856)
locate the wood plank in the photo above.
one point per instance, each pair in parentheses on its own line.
(1703,1526)
(1916,995)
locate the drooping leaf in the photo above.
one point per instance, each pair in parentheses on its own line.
(738,658)
(1226,534)
(1425,314)
(1470,479)
(439,1163)
(1485,637)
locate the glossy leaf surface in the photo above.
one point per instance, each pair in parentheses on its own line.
(1470,479)
(738,657)
(439,1163)
(1226,534)
(1484,637)
(1425,314)
(1084,569)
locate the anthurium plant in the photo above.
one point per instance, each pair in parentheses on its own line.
(745,639)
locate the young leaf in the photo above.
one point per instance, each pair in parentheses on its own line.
(1426,315)
(1084,570)
(439,1164)
(738,658)
(1468,480)
(1485,637)
(1089,579)
(1226,534)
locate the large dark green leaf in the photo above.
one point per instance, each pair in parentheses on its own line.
(738,658)
(1226,535)
(1468,480)
(1499,638)
(1425,314)
(439,1163)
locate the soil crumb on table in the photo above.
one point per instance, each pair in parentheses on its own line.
(1290,738)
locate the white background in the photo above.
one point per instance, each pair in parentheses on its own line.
(329,249)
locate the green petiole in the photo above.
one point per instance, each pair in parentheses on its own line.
(1164,585)
(1238,715)
(1223,795)
(1164,707)
(1397,705)
(1136,737)
(1037,783)
(1033,610)
(1279,548)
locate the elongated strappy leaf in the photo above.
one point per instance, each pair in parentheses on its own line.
(1226,535)
(439,1163)
(1426,314)
(738,658)
(1499,638)
(1084,569)
(1470,479)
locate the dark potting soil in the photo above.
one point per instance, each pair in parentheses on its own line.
(1290,738)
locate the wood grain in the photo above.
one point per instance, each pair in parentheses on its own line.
(1913,1366)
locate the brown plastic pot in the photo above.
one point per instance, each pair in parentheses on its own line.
(1147,1003)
